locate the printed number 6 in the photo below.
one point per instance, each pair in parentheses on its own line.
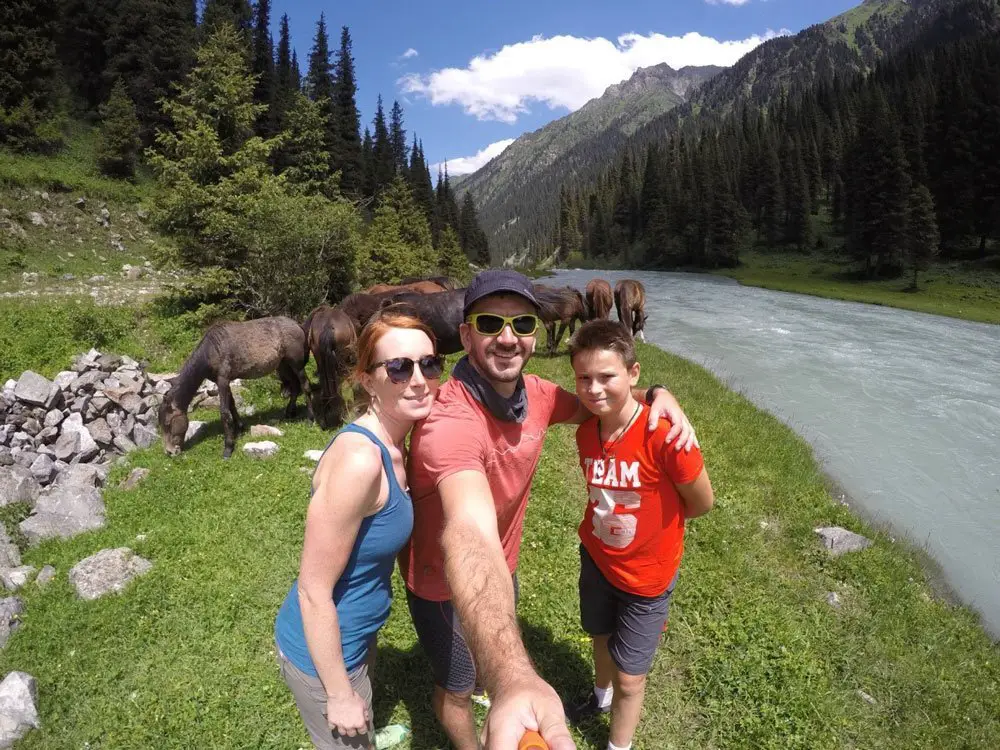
(616,530)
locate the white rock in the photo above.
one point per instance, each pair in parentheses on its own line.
(36,390)
(263,449)
(134,478)
(36,219)
(108,571)
(265,430)
(46,574)
(18,712)
(15,578)
(64,378)
(313,455)
(195,428)
(839,541)
(833,599)
(866,698)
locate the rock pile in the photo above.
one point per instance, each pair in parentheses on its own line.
(105,405)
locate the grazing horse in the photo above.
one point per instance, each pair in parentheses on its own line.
(332,339)
(227,351)
(360,306)
(564,306)
(599,299)
(420,286)
(442,313)
(630,302)
(447,282)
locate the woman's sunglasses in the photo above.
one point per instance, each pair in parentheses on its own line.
(400,369)
(490,324)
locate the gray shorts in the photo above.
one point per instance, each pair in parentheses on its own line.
(310,697)
(634,623)
(441,638)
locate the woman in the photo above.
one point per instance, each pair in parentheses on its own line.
(359,517)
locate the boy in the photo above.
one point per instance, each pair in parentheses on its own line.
(632,534)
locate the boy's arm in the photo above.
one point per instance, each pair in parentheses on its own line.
(698,495)
(662,405)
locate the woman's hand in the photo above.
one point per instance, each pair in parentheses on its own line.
(348,714)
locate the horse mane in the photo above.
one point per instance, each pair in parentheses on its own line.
(196,367)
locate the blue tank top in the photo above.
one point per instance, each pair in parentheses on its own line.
(363,594)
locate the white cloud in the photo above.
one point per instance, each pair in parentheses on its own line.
(409,53)
(565,71)
(469,164)
(727,2)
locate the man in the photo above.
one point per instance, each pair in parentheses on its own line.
(471,465)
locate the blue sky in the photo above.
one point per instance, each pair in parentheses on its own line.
(471,76)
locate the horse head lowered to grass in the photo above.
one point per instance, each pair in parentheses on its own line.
(227,351)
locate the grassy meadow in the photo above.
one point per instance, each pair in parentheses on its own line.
(966,290)
(754,656)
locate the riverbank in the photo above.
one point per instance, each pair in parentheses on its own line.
(958,290)
(755,656)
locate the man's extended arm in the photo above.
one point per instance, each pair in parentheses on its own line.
(483,595)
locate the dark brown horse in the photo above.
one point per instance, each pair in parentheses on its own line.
(447,282)
(332,339)
(420,286)
(228,351)
(441,312)
(630,302)
(599,299)
(565,306)
(360,306)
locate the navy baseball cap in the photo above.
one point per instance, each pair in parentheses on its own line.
(498,281)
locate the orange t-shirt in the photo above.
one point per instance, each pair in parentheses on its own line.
(633,527)
(460,434)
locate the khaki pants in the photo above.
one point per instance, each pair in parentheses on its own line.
(310,697)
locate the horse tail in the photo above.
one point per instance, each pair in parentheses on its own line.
(328,366)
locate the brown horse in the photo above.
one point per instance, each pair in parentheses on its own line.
(360,306)
(630,302)
(332,339)
(599,299)
(564,306)
(419,286)
(227,351)
(447,282)
(442,313)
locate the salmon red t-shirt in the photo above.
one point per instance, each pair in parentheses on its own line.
(633,527)
(460,434)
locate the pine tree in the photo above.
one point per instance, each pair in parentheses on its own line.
(397,138)
(878,189)
(418,178)
(368,164)
(797,230)
(922,238)
(472,238)
(238,13)
(347,153)
(296,73)
(285,88)
(319,87)
(119,143)
(445,206)
(382,157)
(301,157)
(29,76)
(399,240)
(150,46)
(84,27)
(263,65)
(770,199)
(452,261)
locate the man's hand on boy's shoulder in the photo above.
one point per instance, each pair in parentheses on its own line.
(665,406)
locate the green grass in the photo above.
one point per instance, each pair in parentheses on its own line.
(73,168)
(44,336)
(959,290)
(754,657)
